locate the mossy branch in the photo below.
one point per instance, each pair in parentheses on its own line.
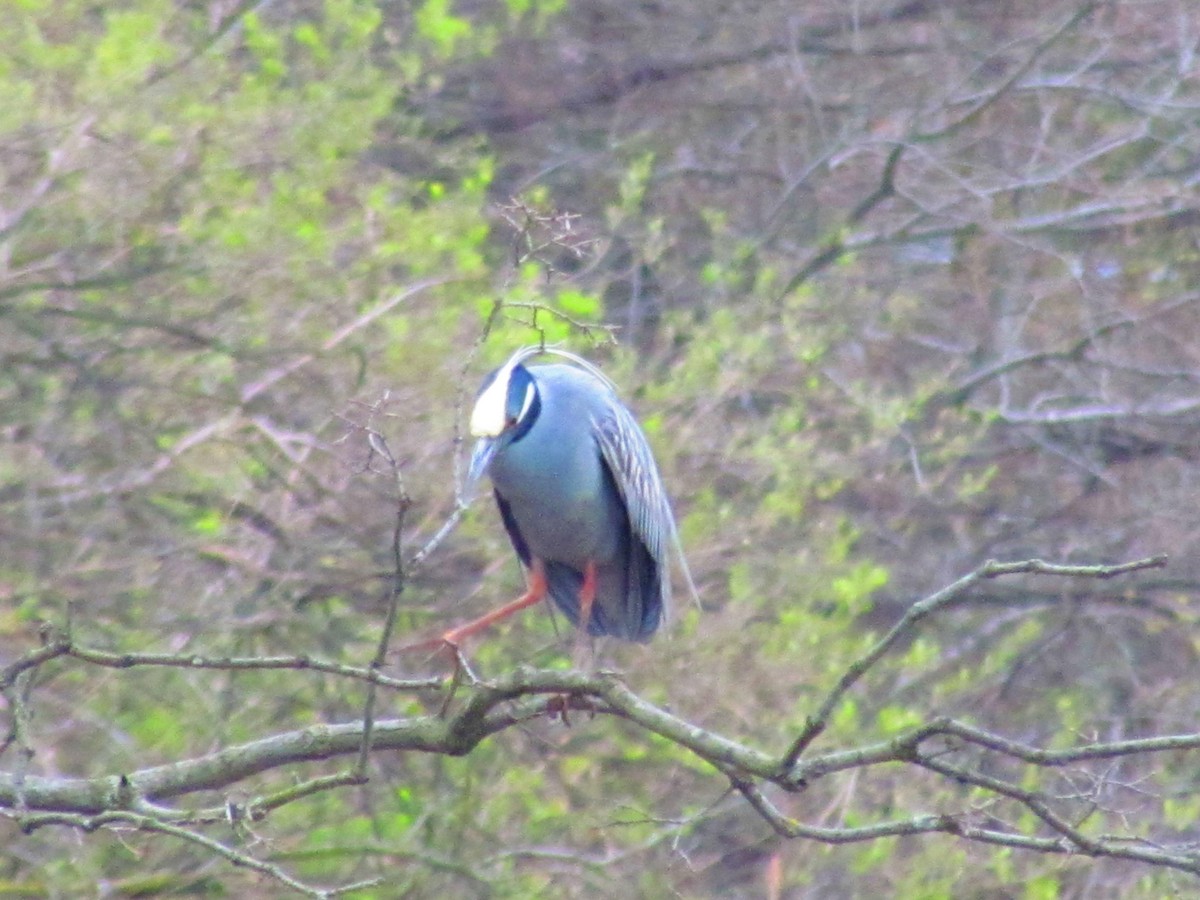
(151,798)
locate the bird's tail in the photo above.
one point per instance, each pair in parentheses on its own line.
(563,583)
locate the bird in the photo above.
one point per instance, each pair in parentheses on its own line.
(579,494)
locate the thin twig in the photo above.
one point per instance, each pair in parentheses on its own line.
(61,646)
(148,823)
(399,578)
(947,596)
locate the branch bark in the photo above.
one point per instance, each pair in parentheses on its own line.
(141,799)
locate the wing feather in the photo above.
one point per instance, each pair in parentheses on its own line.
(631,463)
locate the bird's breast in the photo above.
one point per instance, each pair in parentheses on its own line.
(564,504)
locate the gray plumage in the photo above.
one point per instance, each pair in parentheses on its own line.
(576,482)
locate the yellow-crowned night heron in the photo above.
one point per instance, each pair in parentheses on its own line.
(579,494)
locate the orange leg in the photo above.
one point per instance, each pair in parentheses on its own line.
(587,596)
(535,592)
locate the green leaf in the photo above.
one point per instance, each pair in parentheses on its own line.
(578,304)
(1042,887)
(894,719)
(130,47)
(438,25)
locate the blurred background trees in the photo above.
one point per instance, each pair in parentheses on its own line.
(896,288)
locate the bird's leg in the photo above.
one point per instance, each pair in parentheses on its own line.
(584,655)
(535,592)
(587,596)
(584,649)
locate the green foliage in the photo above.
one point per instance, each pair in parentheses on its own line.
(439,26)
(578,305)
(1181,812)
(635,180)
(895,719)
(940,874)
(851,589)
(873,854)
(158,729)
(131,46)
(541,10)
(229,186)
(1044,887)
(232,246)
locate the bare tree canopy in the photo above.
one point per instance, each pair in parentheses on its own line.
(906,296)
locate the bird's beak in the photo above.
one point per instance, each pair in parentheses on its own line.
(481,458)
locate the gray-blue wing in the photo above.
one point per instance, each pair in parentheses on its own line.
(629,460)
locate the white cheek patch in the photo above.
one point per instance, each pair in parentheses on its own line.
(488,418)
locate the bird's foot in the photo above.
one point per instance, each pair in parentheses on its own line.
(560,705)
(448,643)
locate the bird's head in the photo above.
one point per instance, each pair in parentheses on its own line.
(505,409)
(508,404)
(505,400)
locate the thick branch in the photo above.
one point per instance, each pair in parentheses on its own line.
(140,798)
(485,713)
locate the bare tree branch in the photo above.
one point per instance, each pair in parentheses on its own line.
(140,799)
(933,603)
(60,644)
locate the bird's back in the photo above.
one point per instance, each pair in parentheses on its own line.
(563,503)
